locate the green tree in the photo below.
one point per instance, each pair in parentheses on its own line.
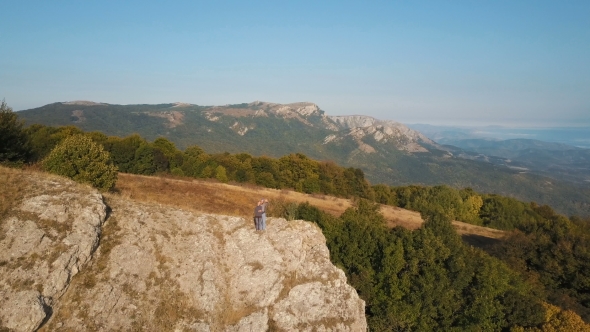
(43,139)
(161,162)
(14,142)
(296,168)
(383,195)
(554,254)
(266,171)
(244,172)
(98,138)
(123,151)
(266,179)
(40,138)
(144,160)
(84,161)
(220,174)
(503,212)
(169,150)
(330,177)
(356,183)
(310,185)
(194,160)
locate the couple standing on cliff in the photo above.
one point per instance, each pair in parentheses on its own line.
(260,215)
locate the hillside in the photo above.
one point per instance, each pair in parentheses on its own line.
(388,152)
(73,259)
(211,197)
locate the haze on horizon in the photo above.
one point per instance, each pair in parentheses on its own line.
(497,63)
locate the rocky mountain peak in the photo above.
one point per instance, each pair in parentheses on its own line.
(353,121)
(362,126)
(306,109)
(303,109)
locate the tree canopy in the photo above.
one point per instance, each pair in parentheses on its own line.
(14,141)
(81,159)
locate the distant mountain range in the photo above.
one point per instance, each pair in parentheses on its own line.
(498,145)
(387,151)
(572,136)
(554,160)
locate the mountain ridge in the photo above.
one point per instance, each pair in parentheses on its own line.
(388,152)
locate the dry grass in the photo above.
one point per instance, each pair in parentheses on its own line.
(171,304)
(469,229)
(228,315)
(215,197)
(193,195)
(220,198)
(13,185)
(239,200)
(396,216)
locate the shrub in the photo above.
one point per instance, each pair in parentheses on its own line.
(282,208)
(14,142)
(82,160)
(177,171)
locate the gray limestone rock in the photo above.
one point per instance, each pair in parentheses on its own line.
(164,269)
(46,240)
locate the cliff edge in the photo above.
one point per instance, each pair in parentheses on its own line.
(70,261)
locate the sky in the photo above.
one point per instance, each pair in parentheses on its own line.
(513,63)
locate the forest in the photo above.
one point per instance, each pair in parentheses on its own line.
(536,279)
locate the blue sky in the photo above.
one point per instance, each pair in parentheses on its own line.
(520,63)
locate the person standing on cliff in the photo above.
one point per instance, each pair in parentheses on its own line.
(258,213)
(264,204)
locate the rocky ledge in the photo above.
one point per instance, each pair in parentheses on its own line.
(67,265)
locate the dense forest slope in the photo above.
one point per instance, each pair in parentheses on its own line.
(387,152)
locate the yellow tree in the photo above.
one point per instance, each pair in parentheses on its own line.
(558,320)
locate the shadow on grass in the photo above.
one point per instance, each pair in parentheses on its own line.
(481,242)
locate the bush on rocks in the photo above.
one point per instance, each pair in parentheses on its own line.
(84,161)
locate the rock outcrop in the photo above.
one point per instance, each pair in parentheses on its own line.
(161,268)
(44,243)
(385,132)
